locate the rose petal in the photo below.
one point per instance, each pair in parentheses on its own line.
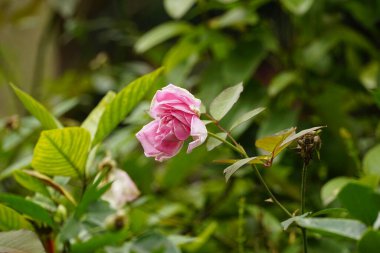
(147,137)
(198,132)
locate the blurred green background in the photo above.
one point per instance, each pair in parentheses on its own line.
(309,62)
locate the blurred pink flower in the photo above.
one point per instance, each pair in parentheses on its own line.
(176,117)
(122,190)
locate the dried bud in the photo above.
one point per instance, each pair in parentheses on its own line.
(13,122)
(307,145)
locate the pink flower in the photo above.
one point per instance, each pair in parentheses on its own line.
(176,117)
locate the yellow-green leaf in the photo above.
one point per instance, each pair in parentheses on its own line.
(62,152)
(47,120)
(123,103)
(272,144)
(92,120)
(10,219)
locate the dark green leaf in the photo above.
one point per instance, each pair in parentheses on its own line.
(361,202)
(30,182)
(370,242)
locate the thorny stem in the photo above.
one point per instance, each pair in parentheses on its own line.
(303,194)
(238,148)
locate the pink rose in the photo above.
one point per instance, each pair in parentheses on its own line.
(176,117)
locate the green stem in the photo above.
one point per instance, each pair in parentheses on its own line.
(303,194)
(229,144)
(244,154)
(274,199)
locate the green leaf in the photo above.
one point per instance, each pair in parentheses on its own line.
(371,162)
(92,121)
(62,152)
(10,219)
(225,100)
(234,17)
(230,170)
(47,120)
(49,182)
(153,242)
(26,207)
(99,241)
(352,229)
(20,241)
(30,182)
(213,142)
(246,116)
(123,103)
(281,81)
(298,7)
(370,242)
(160,34)
(177,8)
(361,202)
(273,143)
(293,137)
(331,189)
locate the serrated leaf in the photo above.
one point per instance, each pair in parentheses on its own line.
(49,182)
(92,120)
(123,103)
(10,219)
(230,170)
(47,120)
(348,228)
(293,137)
(20,241)
(213,142)
(26,207)
(331,189)
(62,152)
(160,34)
(225,100)
(246,116)
(177,8)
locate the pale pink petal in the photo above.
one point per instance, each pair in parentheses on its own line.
(122,190)
(198,132)
(181,131)
(147,137)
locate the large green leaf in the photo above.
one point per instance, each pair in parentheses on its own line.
(20,241)
(10,219)
(361,202)
(370,242)
(31,183)
(47,120)
(352,229)
(177,8)
(246,116)
(332,188)
(371,161)
(26,207)
(161,33)
(225,100)
(123,103)
(92,120)
(62,152)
